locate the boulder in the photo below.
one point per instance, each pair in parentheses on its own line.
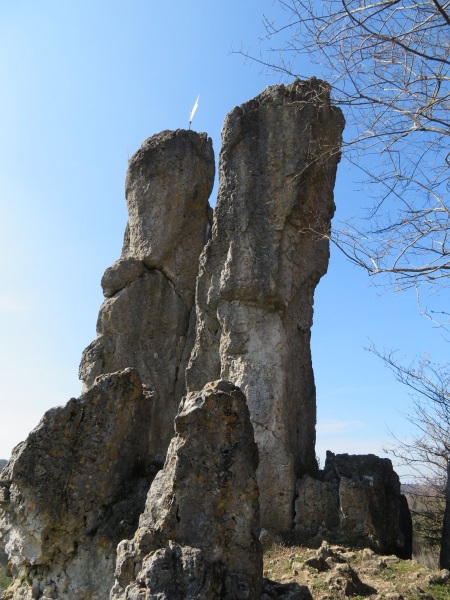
(198,535)
(268,251)
(74,489)
(274,590)
(123,272)
(356,499)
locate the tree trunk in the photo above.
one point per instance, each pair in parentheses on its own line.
(444,558)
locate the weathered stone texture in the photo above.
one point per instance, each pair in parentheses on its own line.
(317,503)
(259,271)
(168,184)
(198,535)
(356,500)
(123,272)
(144,323)
(74,489)
(274,590)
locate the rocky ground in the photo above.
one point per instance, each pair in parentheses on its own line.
(335,572)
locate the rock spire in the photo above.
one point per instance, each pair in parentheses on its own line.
(215,311)
(255,289)
(144,321)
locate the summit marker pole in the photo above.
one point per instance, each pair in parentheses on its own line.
(194,108)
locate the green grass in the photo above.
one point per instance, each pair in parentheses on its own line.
(4,579)
(395,570)
(440,591)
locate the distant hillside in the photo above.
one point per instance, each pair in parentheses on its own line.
(2,463)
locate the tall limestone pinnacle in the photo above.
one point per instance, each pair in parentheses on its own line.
(258,274)
(150,290)
(193,299)
(168,184)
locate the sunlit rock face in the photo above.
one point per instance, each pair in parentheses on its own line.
(168,184)
(258,274)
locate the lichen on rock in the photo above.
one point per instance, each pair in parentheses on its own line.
(193,299)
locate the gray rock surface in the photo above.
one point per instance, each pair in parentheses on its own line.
(316,505)
(144,322)
(168,184)
(144,325)
(273,590)
(198,535)
(356,500)
(258,274)
(74,489)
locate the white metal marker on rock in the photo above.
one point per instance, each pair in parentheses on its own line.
(194,108)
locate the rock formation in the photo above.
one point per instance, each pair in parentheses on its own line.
(356,500)
(198,535)
(258,274)
(74,489)
(149,291)
(179,314)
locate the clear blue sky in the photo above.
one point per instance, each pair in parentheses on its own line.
(83,84)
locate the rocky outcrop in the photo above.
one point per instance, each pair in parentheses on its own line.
(145,326)
(149,291)
(168,184)
(274,590)
(77,486)
(356,499)
(74,489)
(258,273)
(198,535)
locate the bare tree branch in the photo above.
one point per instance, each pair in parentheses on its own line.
(389,65)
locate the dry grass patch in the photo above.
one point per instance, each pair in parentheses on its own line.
(359,574)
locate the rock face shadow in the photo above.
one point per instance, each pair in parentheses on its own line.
(198,535)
